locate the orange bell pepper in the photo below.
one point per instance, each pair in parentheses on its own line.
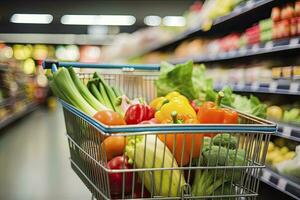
(187,145)
(211,113)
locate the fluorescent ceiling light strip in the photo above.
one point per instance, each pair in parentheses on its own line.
(152,20)
(31,18)
(113,20)
(174,21)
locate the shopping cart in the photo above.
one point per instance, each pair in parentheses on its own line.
(89,160)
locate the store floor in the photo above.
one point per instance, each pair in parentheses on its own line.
(34,161)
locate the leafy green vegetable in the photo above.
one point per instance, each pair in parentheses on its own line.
(209,181)
(185,78)
(250,105)
(226,189)
(292,115)
(191,81)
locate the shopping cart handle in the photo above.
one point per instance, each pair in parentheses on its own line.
(48,64)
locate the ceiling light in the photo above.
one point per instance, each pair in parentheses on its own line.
(174,21)
(152,20)
(113,20)
(31,18)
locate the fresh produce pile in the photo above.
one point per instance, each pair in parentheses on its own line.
(284,156)
(185,96)
(277,154)
(288,114)
(192,82)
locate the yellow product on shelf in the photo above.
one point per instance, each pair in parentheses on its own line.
(277,155)
(275,113)
(276,72)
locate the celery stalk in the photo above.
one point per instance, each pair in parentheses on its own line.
(85,92)
(64,83)
(105,96)
(94,90)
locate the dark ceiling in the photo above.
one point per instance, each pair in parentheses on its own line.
(138,8)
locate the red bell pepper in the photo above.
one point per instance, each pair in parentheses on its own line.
(151,121)
(116,179)
(211,113)
(138,113)
(196,103)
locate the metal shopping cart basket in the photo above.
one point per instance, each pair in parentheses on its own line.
(248,142)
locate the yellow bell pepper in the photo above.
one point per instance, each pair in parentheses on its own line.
(172,94)
(158,102)
(179,104)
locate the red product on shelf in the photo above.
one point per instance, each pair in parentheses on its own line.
(297,8)
(287,12)
(229,42)
(253,34)
(298,25)
(276,13)
(293,27)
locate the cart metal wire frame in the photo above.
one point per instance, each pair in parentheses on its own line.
(229,179)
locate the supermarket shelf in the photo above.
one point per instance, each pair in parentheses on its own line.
(275,87)
(6,101)
(281,183)
(288,131)
(15,116)
(39,38)
(252,50)
(237,12)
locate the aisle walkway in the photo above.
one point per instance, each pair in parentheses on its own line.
(34,161)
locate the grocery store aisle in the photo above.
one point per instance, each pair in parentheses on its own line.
(34,160)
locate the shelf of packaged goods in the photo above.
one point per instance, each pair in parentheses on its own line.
(15,116)
(9,100)
(248,51)
(6,101)
(242,9)
(275,87)
(291,132)
(281,183)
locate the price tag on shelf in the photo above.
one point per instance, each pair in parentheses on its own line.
(255,86)
(243,50)
(250,4)
(287,131)
(273,86)
(294,42)
(212,56)
(237,9)
(232,53)
(266,175)
(240,85)
(294,87)
(222,55)
(255,48)
(269,45)
(282,183)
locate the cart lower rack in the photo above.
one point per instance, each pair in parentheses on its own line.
(224,167)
